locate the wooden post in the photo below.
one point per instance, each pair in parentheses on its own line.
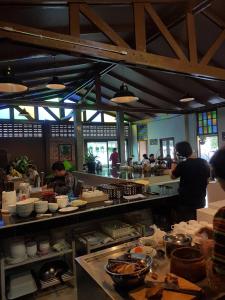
(120,136)
(79,140)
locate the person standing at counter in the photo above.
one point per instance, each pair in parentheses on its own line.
(114,158)
(63,182)
(194,174)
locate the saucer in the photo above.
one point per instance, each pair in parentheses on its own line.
(13,261)
(67,210)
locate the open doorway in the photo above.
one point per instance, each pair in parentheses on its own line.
(207,146)
(142,149)
(167,147)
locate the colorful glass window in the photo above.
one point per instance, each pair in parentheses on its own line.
(207,123)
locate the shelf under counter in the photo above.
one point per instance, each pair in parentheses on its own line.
(35,259)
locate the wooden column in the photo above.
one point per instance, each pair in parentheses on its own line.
(79,140)
(120,136)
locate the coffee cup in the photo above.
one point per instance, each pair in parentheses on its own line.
(17,249)
(62,201)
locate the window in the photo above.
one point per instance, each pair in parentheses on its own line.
(55,111)
(109,119)
(207,123)
(44,115)
(4,113)
(90,113)
(29,109)
(167,147)
(98,118)
(142,132)
(17,115)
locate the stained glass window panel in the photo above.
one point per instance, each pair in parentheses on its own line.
(207,123)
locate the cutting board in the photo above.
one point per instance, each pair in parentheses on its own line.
(140,294)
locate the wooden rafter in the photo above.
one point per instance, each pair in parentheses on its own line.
(140,28)
(192,40)
(165,32)
(214,47)
(102,25)
(74,18)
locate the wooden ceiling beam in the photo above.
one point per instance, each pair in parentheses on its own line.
(94,2)
(86,10)
(192,40)
(213,48)
(139,25)
(165,32)
(71,44)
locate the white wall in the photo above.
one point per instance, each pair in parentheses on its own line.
(171,126)
(181,127)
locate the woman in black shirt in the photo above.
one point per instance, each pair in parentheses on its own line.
(194,174)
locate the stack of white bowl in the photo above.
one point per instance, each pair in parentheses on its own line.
(24,208)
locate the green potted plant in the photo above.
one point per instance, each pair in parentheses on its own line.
(90,160)
(21,164)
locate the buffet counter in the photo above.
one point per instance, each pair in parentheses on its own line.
(13,225)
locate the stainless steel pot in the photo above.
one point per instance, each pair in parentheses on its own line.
(174,241)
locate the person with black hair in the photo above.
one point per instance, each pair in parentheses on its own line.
(152,158)
(194,175)
(215,244)
(63,182)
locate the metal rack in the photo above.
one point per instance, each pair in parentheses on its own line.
(69,276)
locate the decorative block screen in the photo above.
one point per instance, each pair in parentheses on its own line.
(89,131)
(11,130)
(207,123)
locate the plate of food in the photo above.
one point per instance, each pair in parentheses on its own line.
(78,203)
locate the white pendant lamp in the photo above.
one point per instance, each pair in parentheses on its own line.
(124,95)
(10,84)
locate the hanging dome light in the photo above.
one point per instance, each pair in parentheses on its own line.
(55,84)
(24,113)
(10,84)
(124,96)
(187,98)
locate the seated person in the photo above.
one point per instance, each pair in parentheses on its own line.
(34,178)
(63,182)
(152,158)
(145,160)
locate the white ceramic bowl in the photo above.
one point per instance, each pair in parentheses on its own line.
(24,208)
(17,249)
(12,209)
(52,207)
(62,201)
(41,207)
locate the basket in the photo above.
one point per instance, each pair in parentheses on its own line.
(131,188)
(114,191)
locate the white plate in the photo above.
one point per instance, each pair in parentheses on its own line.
(67,210)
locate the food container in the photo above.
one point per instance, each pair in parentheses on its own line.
(175,241)
(132,279)
(31,248)
(41,207)
(189,263)
(17,248)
